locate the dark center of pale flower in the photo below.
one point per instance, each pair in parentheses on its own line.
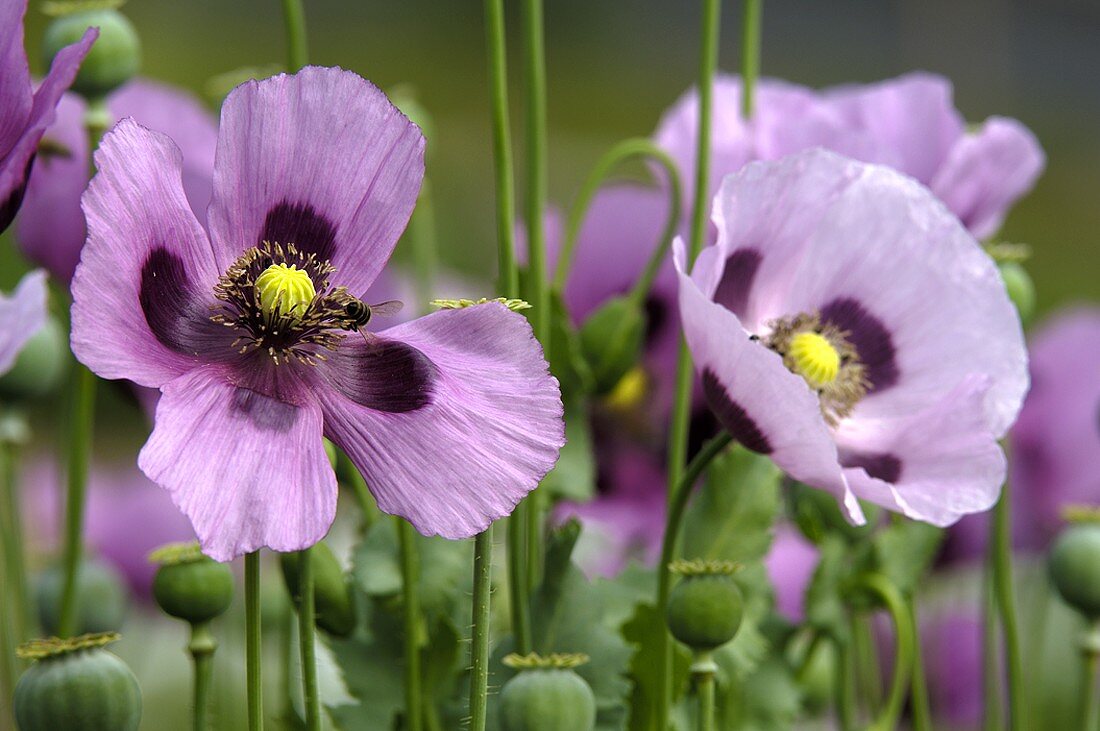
(278,300)
(822,354)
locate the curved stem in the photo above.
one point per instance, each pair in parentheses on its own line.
(1006,602)
(503,174)
(202,647)
(750,53)
(903,628)
(844,686)
(918,700)
(479,648)
(297,47)
(80,444)
(678,436)
(410,573)
(625,150)
(306,640)
(253,679)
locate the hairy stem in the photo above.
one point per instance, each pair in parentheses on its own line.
(410,587)
(479,648)
(253,639)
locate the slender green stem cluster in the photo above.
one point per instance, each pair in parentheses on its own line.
(410,582)
(1005,595)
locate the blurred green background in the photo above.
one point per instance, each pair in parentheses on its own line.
(615,66)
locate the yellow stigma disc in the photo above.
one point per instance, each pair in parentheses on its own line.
(815,358)
(630,391)
(284,290)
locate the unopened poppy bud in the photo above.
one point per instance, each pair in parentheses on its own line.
(704,610)
(332,597)
(41,365)
(114,58)
(189,585)
(76,684)
(101,598)
(547,695)
(611,341)
(1074,566)
(1021,290)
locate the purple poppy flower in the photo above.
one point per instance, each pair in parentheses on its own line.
(790,562)
(1054,454)
(27,112)
(126,517)
(50,228)
(849,327)
(21,316)
(909,123)
(255,334)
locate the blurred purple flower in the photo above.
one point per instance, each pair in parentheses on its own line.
(451,418)
(908,123)
(50,228)
(846,325)
(21,316)
(791,562)
(1054,455)
(126,517)
(27,112)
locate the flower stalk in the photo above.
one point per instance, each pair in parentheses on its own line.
(1005,596)
(704,669)
(15,569)
(479,648)
(918,699)
(1090,664)
(297,44)
(253,639)
(752,10)
(202,647)
(888,595)
(410,578)
(307,639)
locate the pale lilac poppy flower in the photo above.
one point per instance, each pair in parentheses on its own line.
(21,316)
(848,326)
(50,228)
(909,123)
(25,113)
(1054,448)
(249,332)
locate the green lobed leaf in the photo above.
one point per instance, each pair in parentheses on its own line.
(904,551)
(646,631)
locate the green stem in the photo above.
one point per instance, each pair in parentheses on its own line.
(705,686)
(202,647)
(1090,658)
(752,10)
(678,436)
(503,174)
(306,641)
(253,638)
(479,648)
(1006,602)
(903,629)
(11,533)
(625,150)
(868,672)
(297,48)
(7,661)
(844,687)
(517,580)
(991,668)
(918,700)
(80,443)
(410,585)
(422,233)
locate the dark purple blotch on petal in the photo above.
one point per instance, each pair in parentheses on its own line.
(736,283)
(9,207)
(869,337)
(732,416)
(384,375)
(300,224)
(264,412)
(885,467)
(177,315)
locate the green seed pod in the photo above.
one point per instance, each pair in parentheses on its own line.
(1074,566)
(547,695)
(331,594)
(1021,290)
(40,367)
(101,592)
(114,58)
(76,685)
(704,610)
(189,585)
(611,341)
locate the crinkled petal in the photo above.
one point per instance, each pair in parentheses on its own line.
(986,172)
(877,255)
(760,403)
(936,465)
(143,291)
(21,316)
(452,418)
(912,120)
(50,228)
(250,471)
(16,160)
(320,159)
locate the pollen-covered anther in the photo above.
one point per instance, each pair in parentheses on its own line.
(284,290)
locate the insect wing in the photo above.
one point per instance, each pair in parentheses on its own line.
(388,308)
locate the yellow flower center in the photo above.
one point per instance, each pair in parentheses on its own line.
(284,290)
(630,391)
(814,358)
